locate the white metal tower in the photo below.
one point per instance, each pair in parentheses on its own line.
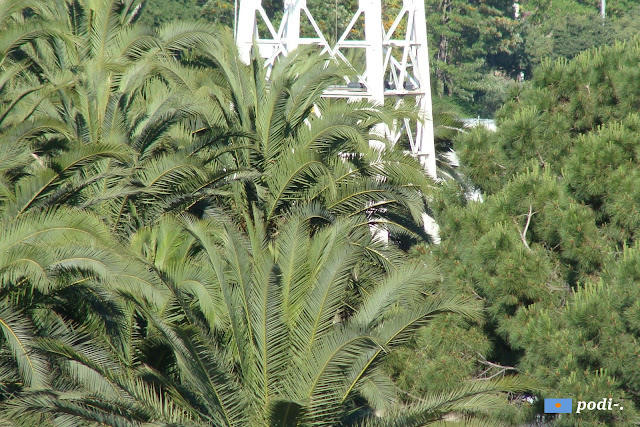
(397,65)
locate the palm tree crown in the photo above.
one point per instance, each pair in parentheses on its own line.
(184,243)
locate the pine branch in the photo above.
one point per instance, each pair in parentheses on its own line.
(523,234)
(491,365)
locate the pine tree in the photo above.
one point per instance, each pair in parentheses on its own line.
(551,245)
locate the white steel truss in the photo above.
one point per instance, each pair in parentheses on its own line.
(396,64)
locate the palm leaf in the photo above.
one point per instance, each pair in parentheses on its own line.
(19,336)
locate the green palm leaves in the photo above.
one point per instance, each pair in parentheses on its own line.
(315,149)
(183,243)
(256,329)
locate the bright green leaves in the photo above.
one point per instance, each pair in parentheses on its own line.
(298,338)
(467,36)
(31,365)
(191,244)
(547,246)
(583,349)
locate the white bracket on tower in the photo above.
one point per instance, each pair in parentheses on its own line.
(396,60)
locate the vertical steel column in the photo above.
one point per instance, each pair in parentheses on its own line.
(424,135)
(246,29)
(408,76)
(373,35)
(291,23)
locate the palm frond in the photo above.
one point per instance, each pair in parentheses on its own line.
(19,337)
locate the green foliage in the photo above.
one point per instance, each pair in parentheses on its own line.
(290,335)
(468,39)
(184,244)
(551,246)
(159,12)
(445,353)
(587,108)
(562,29)
(565,31)
(478,48)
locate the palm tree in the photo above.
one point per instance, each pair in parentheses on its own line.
(64,132)
(306,147)
(259,331)
(60,269)
(110,117)
(183,243)
(146,130)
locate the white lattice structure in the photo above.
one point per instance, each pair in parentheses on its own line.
(397,65)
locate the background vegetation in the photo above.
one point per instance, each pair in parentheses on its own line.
(479,48)
(552,248)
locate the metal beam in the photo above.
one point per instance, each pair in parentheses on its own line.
(397,65)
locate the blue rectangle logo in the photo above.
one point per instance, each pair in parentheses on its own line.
(558,406)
